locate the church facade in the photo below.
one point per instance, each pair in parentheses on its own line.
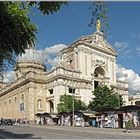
(86,63)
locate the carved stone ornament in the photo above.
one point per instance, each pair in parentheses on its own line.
(100,63)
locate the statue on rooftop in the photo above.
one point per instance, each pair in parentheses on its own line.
(98,25)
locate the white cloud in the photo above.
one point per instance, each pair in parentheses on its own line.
(132,78)
(47,55)
(52,61)
(138,50)
(135,35)
(9,77)
(54,49)
(50,54)
(120,45)
(123,48)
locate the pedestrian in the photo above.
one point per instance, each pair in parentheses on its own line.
(129,123)
(93,122)
(97,121)
(2,122)
(116,121)
(82,122)
(135,121)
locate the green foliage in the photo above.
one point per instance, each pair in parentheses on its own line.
(105,98)
(99,10)
(16,32)
(16,29)
(48,7)
(66,102)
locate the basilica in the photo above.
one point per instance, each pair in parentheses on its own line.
(82,66)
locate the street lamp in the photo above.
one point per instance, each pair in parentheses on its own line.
(118,100)
(73,105)
(72,90)
(122,85)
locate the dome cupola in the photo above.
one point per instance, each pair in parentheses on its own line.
(31,60)
(30,55)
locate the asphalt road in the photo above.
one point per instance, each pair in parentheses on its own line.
(37,132)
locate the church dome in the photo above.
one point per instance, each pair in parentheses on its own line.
(30,55)
(30,61)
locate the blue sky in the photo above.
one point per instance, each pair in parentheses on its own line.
(72,21)
(59,30)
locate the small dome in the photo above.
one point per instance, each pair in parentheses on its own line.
(30,55)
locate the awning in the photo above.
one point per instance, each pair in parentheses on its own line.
(38,114)
(89,113)
(130,108)
(62,114)
(46,114)
(53,115)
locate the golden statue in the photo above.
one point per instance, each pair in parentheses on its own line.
(98,25)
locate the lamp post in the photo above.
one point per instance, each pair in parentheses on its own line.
(126,84)
(72,90)
(122,85)
(118,100)
(72,103)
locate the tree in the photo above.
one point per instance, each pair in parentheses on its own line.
(105,98)
(16,32)
(16,29)
(47,7)
(99,10)
(65,104)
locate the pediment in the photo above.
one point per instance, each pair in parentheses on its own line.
(98,41)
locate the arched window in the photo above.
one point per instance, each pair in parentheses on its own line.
(39,104)
(99,72)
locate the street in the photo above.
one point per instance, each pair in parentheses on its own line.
(61,132)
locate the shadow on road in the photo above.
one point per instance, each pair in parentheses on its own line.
(4,134)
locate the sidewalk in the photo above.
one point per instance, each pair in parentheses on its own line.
(87,129)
